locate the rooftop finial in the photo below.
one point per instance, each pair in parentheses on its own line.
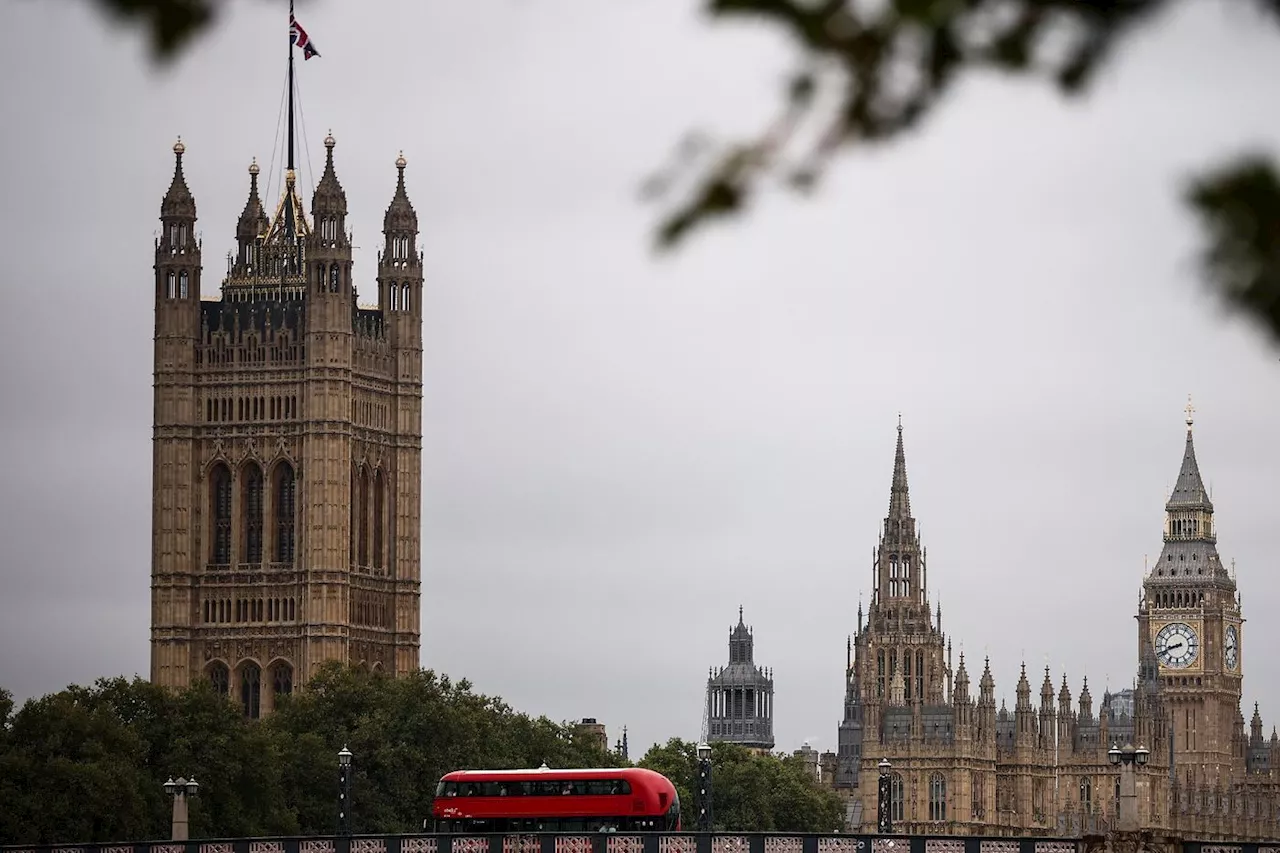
(401,162)
(253,167)
(329,141)
(178,147)
(739,614)
(1190,410)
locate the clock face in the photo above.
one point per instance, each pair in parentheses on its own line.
(1231,647)
(1177,645)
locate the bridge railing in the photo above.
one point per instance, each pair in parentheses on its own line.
(643,842)
(647,842)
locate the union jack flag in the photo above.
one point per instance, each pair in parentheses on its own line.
(298,36)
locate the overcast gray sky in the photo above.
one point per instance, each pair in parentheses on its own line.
(621,448)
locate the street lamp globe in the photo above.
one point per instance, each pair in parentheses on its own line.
(1113,754)
(1142,755)
(704,751)
(192,786)
(170,786)
(344,757)
(884,766)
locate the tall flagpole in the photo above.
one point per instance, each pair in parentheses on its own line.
(290,164)
(290,214)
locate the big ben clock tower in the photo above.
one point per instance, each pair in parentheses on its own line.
(1190,628)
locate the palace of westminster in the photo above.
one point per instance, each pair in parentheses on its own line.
(960,764)
(287,449)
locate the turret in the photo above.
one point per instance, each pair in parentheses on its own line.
(177,262)
(251,228)
(1064,714)
(1024,713)
(987,705)
(1047,717)
(399,262)
(330,290)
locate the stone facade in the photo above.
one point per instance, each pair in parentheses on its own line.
(739,701)
(962,765)
(287,447)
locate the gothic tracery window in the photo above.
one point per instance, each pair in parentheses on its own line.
(379,499)
(896,798)
(251,690)
(1086,794)
(282,679)
(362,505)
(335,278)
(285,494)
(220,499)
(937,797)
(220,677)
(251,492)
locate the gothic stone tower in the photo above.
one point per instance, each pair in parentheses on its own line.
(740,695)
(1189,621)
(287,448)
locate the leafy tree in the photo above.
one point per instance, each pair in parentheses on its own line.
(88,764)
(888,65)
(750,792)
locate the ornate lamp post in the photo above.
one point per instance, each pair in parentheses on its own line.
(180,789)
(884,797)
(344,791)
(703,802)
(1128,759)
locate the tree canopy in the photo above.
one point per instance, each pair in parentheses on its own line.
(871,72)
(88,764)
(750,792)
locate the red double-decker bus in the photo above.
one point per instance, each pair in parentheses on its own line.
(623,799)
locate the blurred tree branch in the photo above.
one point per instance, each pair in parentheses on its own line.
(170,25)
(872,70)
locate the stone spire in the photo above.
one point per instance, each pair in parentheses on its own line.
(1189,491)
(1190,541)
(961,695)
(329,198)
(899,495)
(400,215)
(178,202)
(253,221)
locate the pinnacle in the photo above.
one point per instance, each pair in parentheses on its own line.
(899,495)
(178,201)
(1189,489)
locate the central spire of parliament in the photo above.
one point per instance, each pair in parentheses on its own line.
(287,441)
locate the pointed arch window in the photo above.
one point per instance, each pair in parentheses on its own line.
(184,281)
(920,673)
(404,297)
(220,678)
(896,799)
(355,515)
(251,690)
(978,798)
(282,679)
(906,674)
(251,501)
(1086,794)
(171,285)
(937,797)
(286,494)
(362,546)
(335,279)
(393,290)
(220,501)
(880,672)
(379,508)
